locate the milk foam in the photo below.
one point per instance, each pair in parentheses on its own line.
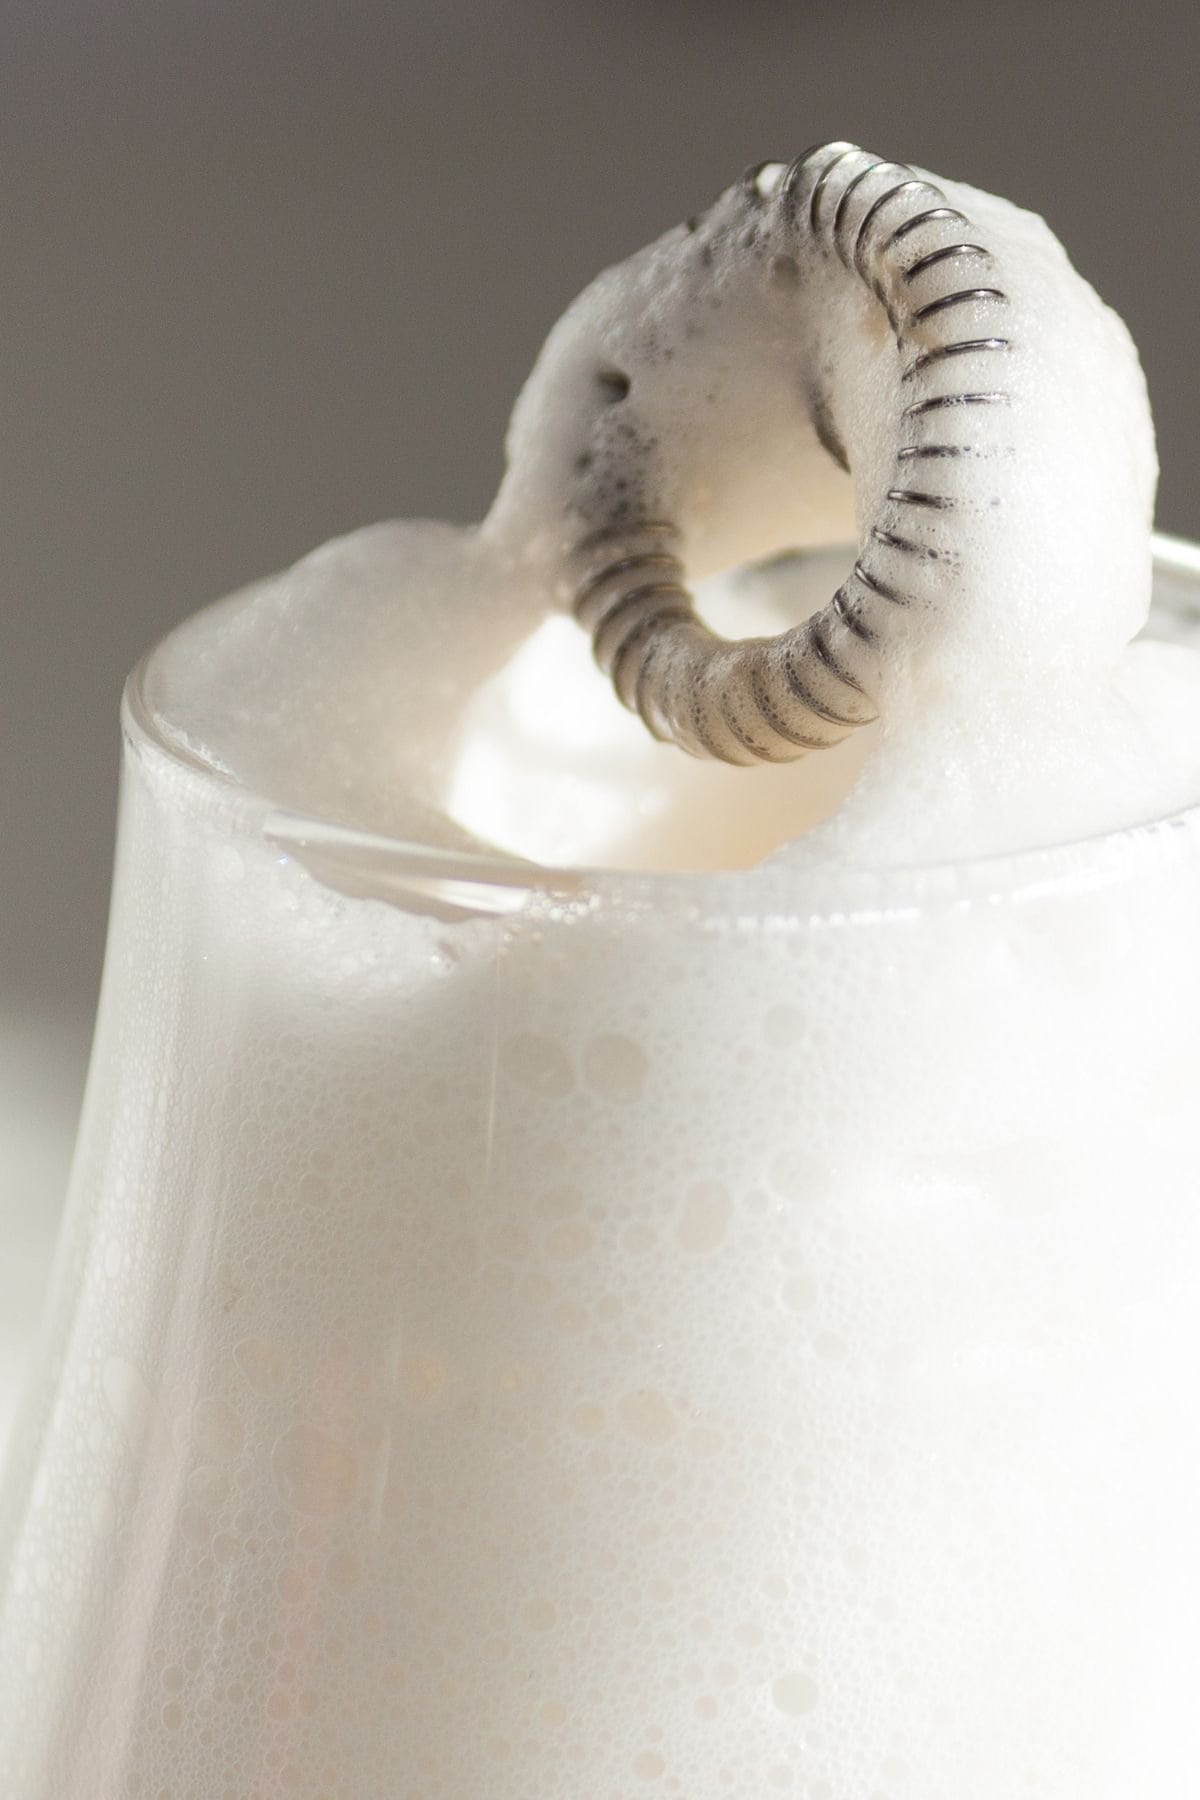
(1014,712)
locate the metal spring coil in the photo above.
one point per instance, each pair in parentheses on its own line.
(775,699)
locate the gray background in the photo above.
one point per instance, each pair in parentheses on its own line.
(273,268)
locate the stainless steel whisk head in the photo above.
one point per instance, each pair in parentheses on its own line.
(775,699)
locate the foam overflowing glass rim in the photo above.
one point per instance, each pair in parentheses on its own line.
(365,864)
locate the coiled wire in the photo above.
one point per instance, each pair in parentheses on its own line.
(775,699)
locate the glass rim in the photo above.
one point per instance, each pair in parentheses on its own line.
(367,864)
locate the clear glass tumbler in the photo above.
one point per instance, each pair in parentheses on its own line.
(522,1334)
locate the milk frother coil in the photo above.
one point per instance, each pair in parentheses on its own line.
(773,699)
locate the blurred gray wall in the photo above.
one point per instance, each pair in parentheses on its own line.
(273,268)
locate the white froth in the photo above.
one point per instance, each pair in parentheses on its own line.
(1013,712)
(1010,715)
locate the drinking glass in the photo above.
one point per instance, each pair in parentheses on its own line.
(528,1333)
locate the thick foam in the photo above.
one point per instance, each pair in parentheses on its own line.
(1013,712)
(522,748)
